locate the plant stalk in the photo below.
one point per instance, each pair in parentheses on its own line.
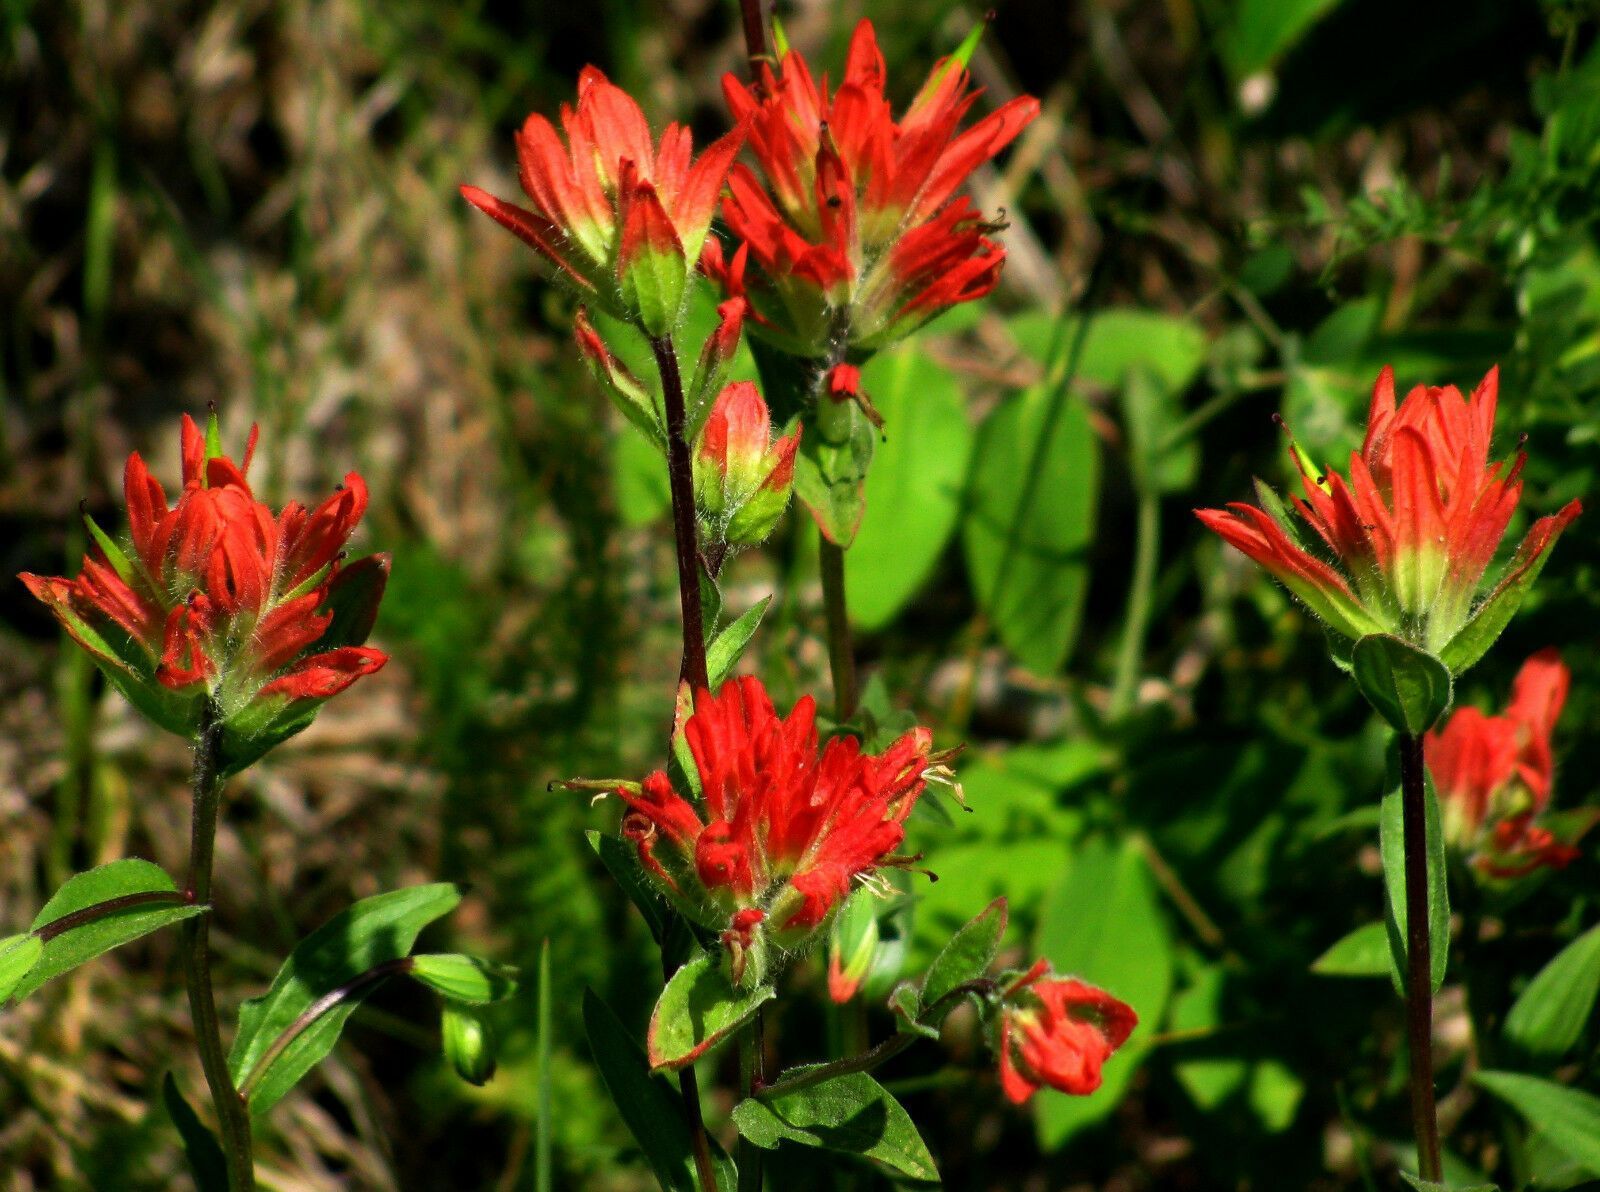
(1146,555)
(841,650)
(753,1078)
(680,474)
(755,36)
(1419,963)
(232,1114)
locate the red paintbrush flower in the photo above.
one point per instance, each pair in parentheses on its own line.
(786,830)
(1403,545)
(1058,1032)
(1494,774)
(742,476)
(218,597)
(618,217)
(858,236)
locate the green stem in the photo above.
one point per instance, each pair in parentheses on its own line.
(1419,964)
(752,1078)
(841,650)
(1147,549)
(232,1115)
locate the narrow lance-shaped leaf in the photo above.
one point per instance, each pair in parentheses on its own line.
(649,1106)
(1549,1016)
(18,955)
(1391,848)
(137,898)
(353,949)
(207,1163)
(1362,953)
(727,647)
(1567,1118)
(968,955)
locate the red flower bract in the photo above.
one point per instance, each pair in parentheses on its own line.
(858,233)
(618,217)
(1058,1032)
(218,596)
(1494,774)
(786,829)
(1406,541)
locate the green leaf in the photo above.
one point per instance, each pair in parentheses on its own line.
(698,1010)
(622,863)
(1391,847)
(968,955)
(465,979)
(905,1002)
(1549,1016)
(1410,688)
(18,955)
(830,478)
(650,1107)
(728,646)
(1121,945)
(852,1114)
(347,946)
(1362,953)
(1030,520)
(129,878)
(1567,1118)
(913,491)
(207,1163)
(1259,32)
(1149,411)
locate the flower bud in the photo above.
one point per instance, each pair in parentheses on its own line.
(465,979)
(852,943)
(469,1043)
(1058,1032)
(637,403)
(742,479)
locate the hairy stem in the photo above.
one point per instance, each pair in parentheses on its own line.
(1146,555)
(1419,964)
(841,651)
(752,1076)
(680,473)
(232,1115)
(755,36)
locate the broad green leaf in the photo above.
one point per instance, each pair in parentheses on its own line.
(639,477)
(1549,1016)
(1149,412)
(1362,953)
(1103,923)
(649,1106)
(852,1114)
(1033,493)
(1567,1118)
(1391,847)
(18,954)
(465,979)
(154,904)
(913,492)
(1410,688)
(207,1163)
(727,647)
(1116,342)
(351,944)
(968,954)
(698,1010)
(1212,1079)
(622,863)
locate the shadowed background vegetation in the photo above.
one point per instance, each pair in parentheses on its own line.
(1226,210)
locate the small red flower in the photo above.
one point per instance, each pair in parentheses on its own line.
(858,235)
(618,217)
(786,830)
(1058,1032)
(1404,543)
(1494,774)
(218,596)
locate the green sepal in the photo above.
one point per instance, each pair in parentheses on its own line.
(469,1043)
(830,478)
(1473,639)
(1407,686)
(120,563)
